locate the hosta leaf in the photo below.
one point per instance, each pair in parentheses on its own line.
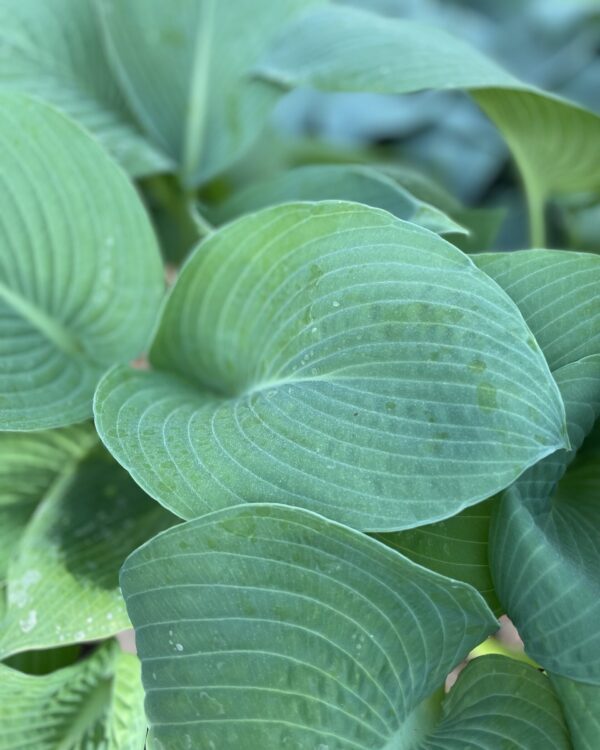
(581,704)
(499,703)
(96,703)
(267,627)
(54,50)
(334,357)
(351,182)
(557,293)
(29,465)
(343,49)
(62,581)
(80,272)
(545,543)
(483,224)
(185,73)
(456,547)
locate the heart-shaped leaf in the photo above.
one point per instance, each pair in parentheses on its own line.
(265,625)
(185,73)
(334,357)
(54,50)
(80,271)
(96,703)
(341,49)
(62,578)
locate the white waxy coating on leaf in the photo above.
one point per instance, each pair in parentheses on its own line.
(421,392)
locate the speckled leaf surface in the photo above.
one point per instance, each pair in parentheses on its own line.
(272,627)
(334,357)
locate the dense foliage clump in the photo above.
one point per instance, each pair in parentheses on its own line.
(361,425)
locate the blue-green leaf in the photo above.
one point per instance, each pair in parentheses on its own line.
(334,357)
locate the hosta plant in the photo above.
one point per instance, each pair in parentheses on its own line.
(352,435)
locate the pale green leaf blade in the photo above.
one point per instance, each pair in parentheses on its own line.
(556,291)
(545,542)
(80,272)
(499,703)
(266,625)
(62,580)
(96,703)
(581,705)
(456,547)
(348,182)
(557,294)
(342,49)
(186,73)
(29,465)
(54,50)
(331,356)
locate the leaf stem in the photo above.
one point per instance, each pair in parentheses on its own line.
(535,209)
(203,226)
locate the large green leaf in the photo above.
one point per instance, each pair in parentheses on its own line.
(456,547)
(29,465)
(54,50)
(343,49)
(545,542)
(556,291)
(80,272)
(581,704)
(185,70)
(268,627)
(498,704)
(349,182)
(62,579)
(331,356)
(96,703)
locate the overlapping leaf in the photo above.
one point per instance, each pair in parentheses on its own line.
(80,273)
(557,293)
(456,547)
(349,182)
(186,73)
(266,626)
(334,357)
(544,540)
(499,703)
(581,704)
(29,465)
(62,577)
(342,49)
(54,50)
(96,703)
